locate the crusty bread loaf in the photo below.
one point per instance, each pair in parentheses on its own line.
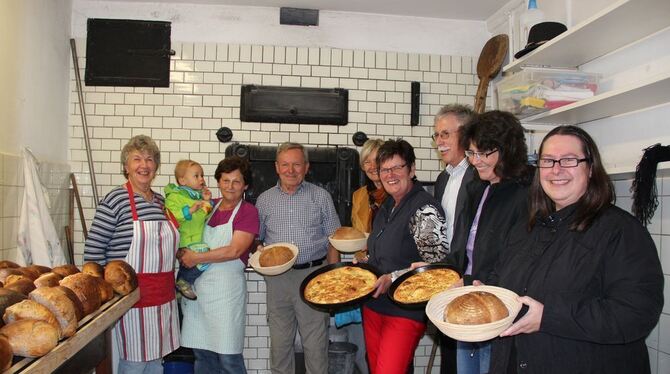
(14,277)
(78,307)
(6,354)
(47,280)
(475,308)
(29,309)
(347,233)
(24,286)
(86,289)
(8,298)
(105,288)
(29,272)
(275,256)
(30,338)
(94,269)
(65,270)
(39,268)
(8,264)
(121,276)
(60,305)
(5,272)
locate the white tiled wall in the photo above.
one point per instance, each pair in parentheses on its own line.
(659,339)
(54,176)
(204,96)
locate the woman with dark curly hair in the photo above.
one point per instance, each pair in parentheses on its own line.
(495,145)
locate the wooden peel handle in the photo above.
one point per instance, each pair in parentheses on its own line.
(480,97)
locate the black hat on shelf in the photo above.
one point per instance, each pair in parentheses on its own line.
(540,34)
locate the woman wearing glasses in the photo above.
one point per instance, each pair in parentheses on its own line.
(588,271)
(495,146)
(409,227)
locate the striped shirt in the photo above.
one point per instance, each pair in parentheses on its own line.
(305,219)
(111,232)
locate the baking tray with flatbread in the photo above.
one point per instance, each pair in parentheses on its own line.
(338,284)
(439,277)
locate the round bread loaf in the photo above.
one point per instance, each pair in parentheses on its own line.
(8,298)
(39,268)
(78,307)
(47,280)
(94,269)
(14,277)
(347,233)
(30,337)
(6,354)
(65,270)
(29,309)
(24,286)
(86,289)
(5,272)
(8,264)
(121,276)
(475,308)
(275,256)
(60,305)
(31,273)
(105,288)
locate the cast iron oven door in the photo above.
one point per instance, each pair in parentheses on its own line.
(335,169)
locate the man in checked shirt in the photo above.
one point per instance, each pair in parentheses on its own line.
(297,212)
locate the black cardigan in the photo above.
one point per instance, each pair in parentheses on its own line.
(602,291)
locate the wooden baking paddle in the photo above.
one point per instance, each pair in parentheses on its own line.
(489,64)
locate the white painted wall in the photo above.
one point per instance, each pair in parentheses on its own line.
(34,75)
(260,25)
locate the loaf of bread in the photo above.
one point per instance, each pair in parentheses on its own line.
(6,354)
(29,309)
(105,288)
(78,307)
(30,337)
(29,272)
(47,280)
(275,256)
(8,264)
(65,270)
(121,276)
(39,268)
(94,269)
(475,308)
(347,233)
(60,306)
(9,298)
(15,277)
(86,289)
(5,272)
(24,286)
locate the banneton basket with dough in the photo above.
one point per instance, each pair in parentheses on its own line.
(472,333)
(349,245)
(273,270)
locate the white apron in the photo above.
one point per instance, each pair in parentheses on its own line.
(150,329)
(215,321)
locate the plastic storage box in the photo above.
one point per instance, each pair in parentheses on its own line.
(536,90)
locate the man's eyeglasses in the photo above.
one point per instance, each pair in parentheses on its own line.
(479,155)
(394,169)
(568,162)
(444,135)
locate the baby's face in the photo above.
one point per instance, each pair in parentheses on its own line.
(193,178)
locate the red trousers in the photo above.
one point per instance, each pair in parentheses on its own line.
(390,341)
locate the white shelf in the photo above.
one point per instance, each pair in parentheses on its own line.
(643,94)
(628,172)
(616,26)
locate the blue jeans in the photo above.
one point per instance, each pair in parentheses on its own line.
(140,367)
(207,362)
(189,274)
(473,358)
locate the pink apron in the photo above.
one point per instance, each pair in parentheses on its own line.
(150,329)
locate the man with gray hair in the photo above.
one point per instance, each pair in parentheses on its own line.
(451,192)
(301,213)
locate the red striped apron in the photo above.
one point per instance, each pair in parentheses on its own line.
(150,329)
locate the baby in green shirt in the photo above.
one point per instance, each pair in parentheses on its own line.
(189,204)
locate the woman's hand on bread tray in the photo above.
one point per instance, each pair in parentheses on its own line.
(382,285)
(530,322)
(419,264)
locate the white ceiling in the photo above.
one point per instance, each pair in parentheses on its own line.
(449,9)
